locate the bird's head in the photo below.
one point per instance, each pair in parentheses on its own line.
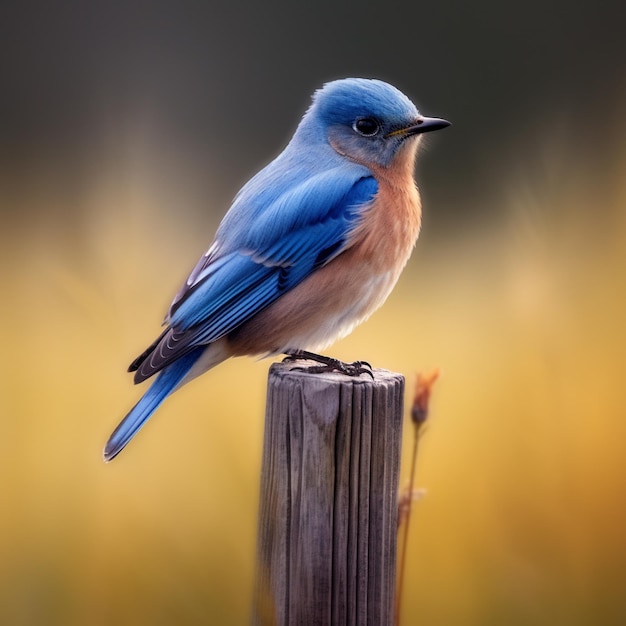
(367,120)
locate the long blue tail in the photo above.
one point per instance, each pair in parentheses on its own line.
(165,383)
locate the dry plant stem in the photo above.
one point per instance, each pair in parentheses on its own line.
(405,537)
(419,415)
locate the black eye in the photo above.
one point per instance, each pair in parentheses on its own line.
(366,126)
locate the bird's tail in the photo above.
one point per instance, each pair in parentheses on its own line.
(166,382)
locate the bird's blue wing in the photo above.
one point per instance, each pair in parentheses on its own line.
(301,230)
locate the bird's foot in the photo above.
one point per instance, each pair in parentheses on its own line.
(328,364)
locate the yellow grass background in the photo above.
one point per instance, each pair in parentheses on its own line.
(523,460)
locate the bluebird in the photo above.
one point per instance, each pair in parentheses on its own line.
(311,246)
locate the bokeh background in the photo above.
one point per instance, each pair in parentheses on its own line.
(125,130)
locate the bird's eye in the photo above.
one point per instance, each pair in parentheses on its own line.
(366,126)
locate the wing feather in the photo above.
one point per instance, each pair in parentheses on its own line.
(303,229)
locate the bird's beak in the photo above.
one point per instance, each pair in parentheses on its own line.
(423,125)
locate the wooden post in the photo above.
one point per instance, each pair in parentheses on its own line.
(329,498)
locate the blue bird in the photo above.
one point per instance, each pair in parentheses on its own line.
(312,245)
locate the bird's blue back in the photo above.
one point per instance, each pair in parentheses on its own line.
(288,220)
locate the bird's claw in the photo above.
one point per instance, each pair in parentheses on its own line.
(355,368)
(328,364)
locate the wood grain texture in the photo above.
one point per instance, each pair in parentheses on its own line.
(328,501)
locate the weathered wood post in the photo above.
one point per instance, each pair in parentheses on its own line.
(329,498)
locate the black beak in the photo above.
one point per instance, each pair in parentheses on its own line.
(425,125)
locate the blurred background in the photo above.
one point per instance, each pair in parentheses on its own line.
(125,130)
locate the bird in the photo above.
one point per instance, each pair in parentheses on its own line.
(310,247)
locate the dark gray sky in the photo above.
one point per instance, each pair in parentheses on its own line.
(224,84)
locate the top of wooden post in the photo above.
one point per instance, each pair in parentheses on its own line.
(301,368)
